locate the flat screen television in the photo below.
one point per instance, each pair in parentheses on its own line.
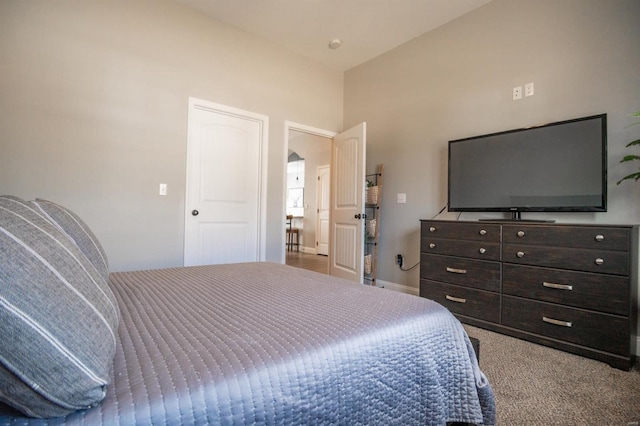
(555,167)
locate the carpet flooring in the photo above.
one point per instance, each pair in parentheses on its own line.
(537,385)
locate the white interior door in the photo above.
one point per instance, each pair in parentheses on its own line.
(224,205)
(346,248)
(323,202)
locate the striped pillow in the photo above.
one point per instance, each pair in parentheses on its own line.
(59,317)
(75,227)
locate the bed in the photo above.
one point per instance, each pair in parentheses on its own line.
(251,343)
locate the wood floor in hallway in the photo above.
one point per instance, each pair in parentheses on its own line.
(312,262)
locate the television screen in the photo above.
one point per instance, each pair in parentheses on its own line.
(554,167)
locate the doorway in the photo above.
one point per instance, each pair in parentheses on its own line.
(307,149)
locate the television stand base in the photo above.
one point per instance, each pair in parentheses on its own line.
(516,216)
(518,220)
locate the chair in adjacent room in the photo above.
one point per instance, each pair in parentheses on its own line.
(292,233)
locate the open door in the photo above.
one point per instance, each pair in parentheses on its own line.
(346,253)
(323,191)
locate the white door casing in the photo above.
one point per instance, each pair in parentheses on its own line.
(324,203)
(290,125)
(346,248)
(225,206)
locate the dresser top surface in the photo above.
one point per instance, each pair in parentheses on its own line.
(507,222)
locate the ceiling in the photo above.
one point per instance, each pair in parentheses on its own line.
(367,28)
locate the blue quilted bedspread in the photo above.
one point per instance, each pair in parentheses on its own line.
(263,343)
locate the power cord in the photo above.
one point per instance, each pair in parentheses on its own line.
(408,269)
(400,259)
(440,212)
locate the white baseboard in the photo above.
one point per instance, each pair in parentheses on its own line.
(308,250)
(399,287)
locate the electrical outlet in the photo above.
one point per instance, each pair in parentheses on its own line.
(399,260)
(528,89)
(517,93)
(163,189)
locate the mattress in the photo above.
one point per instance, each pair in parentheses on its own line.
(264,343)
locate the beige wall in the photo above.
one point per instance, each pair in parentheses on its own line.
(582,55)
(93,112)
(93,107)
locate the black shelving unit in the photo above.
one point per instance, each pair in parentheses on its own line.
(372,225)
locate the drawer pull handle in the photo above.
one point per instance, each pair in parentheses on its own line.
(483,232)
(482,250)
(432,245)
(557,322)
(599,261)
(520,234)
(456,271)
(599,237)
(558,286)
(432,229)
(456,299)
(520,254)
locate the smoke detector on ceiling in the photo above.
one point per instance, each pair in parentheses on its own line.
(335,43)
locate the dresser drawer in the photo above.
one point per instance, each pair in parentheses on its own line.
(461,231)
(606,293)
(595,330)
(602,261)
(478,274)
(478,304)
(597,238)
(474,249)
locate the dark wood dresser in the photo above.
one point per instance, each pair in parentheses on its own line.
(571,287)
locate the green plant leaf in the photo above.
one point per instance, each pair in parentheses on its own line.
(632,143)
(635,114)
(630,158)
(634,176)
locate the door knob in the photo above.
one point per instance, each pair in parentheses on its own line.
(195,212)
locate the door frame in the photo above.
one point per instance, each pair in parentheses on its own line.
(263,121)
(303,128)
